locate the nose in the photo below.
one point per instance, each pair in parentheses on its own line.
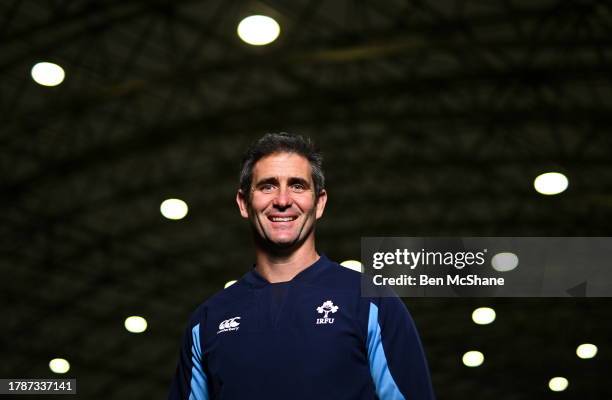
(283,198)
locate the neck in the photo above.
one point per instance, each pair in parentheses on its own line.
(282,267)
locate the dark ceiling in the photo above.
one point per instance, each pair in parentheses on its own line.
(434,117)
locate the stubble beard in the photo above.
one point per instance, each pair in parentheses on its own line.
(264,242)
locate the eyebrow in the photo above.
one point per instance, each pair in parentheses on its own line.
(266,181)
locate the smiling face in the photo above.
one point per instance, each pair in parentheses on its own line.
(282,205)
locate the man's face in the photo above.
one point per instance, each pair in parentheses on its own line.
(283,207)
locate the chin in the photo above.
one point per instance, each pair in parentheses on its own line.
(283,243)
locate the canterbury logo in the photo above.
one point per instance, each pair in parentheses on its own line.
(229,325)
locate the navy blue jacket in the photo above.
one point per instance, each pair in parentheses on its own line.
(313,337)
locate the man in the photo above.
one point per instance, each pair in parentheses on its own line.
(295,326)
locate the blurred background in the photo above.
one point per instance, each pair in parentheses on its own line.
(435,118)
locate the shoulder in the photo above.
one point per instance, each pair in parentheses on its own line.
(231,294)
(337,277)
(221,300)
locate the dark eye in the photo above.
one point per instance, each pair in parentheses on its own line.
(267,188)
(298,187)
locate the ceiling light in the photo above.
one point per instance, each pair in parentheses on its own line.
(550,183)
(258,30)
(47,74)
(135,324)
(228,284)
(473,358)
(59,365)
(173,209)
(352,264)
(586,350)
(483,315)
(504,262)
(558,384)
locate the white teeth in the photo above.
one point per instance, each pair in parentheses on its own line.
(284,219)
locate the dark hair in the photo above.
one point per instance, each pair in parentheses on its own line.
(282,142)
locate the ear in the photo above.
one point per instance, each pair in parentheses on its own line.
(321,201)
(242,204)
